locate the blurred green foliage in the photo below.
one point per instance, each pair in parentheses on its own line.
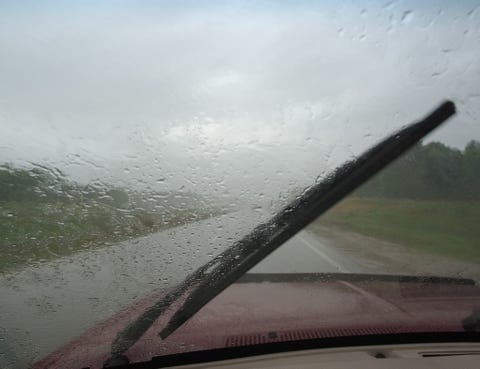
(431,171)
(428,199)
(44,216)
(442,227)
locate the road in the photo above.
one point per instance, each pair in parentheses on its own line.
(44,307)
(307,253)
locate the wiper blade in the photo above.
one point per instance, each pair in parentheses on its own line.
(267,237)
(230,265)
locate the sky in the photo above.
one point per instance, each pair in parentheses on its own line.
(239,97)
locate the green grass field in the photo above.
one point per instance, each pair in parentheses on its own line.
(33,232)
(450,228)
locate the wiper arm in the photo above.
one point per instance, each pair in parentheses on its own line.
(132,333)
(267,237)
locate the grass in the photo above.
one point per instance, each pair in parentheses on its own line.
(33,232)
(448,228)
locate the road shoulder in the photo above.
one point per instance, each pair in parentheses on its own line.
(376,255)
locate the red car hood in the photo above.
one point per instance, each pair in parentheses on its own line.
(267,308)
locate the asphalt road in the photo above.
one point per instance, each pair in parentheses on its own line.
(307,253)
(44,307)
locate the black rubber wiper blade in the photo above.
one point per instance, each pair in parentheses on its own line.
(267,237)
(212,278)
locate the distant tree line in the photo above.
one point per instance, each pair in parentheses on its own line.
(45,185)
(431,171)
(41,184)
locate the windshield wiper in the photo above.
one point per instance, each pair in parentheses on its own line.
(225,269)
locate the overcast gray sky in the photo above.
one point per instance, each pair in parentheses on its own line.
(219,97)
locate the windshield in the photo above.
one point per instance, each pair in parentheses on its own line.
(140,140)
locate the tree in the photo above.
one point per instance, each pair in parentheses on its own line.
(432,171)
(471,169)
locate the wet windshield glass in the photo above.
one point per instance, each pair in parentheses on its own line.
(138,140)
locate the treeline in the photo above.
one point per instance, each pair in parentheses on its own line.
(45,185)
(42,184)
(431,171)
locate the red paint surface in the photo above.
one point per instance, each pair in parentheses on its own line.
(245,313)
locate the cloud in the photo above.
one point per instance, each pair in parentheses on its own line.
(195,88)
